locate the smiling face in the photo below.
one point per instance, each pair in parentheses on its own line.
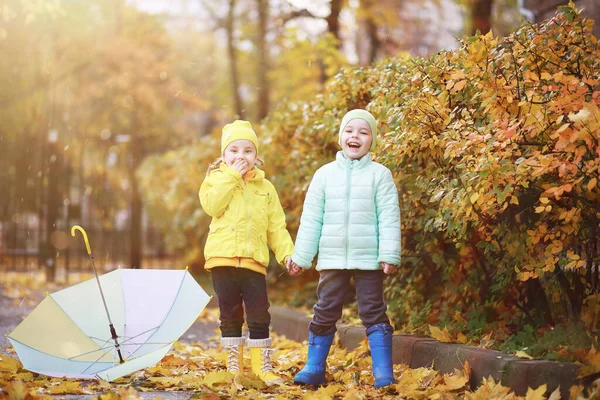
(356,139)
(240,149)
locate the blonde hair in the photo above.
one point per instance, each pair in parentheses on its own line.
(215,164)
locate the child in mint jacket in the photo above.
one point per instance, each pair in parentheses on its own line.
(351,217)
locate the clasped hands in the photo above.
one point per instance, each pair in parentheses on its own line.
(294,269)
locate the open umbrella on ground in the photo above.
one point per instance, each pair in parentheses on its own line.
(111,325)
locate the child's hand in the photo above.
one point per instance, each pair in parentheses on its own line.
(241,165)
(293,268)
(388,269)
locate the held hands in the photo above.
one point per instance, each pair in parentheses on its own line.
(293,268)
(388,269)
(241,165)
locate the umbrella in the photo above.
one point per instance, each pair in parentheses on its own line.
(109,326)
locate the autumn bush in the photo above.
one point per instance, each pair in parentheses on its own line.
(495,148)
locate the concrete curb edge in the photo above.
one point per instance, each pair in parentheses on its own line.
(415,351)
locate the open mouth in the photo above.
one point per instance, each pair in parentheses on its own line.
(353,145)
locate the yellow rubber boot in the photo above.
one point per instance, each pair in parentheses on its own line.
(234,346)
(260,358)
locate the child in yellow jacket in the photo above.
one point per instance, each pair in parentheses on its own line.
(247,218)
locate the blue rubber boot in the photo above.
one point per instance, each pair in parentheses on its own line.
(313,372)
(380,343)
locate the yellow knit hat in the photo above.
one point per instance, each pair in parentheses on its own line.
(236,130)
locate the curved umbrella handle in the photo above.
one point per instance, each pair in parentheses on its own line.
(85,238)
(113,332)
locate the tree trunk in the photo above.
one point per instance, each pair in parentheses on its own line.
(571,292)
(538,301)
(333,19)
(481,16)
(136,154)
(136,224)
(367,42)
(235,80)
(263,59)
(333,27)
(52,204)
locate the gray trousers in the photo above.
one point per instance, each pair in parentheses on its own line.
(331,291)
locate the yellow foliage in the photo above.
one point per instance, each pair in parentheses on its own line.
(441,335)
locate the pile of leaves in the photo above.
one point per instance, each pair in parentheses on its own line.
(198,369)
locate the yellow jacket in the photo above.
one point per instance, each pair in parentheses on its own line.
(246,218)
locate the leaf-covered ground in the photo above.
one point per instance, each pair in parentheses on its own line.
(198,370)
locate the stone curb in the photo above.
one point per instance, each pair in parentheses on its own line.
(418,351)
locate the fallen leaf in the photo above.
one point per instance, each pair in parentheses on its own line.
(522,354)
(536,394)
(216,377)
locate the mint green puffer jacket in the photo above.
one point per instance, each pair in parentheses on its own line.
(350,217)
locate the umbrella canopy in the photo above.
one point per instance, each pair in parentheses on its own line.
(68,333)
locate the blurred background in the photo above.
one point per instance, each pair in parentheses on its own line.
(102,102)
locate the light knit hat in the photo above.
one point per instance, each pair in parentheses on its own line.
(236,130)
(360,114)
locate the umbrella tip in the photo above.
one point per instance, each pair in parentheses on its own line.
(47,293)
(119,266)
(187,267)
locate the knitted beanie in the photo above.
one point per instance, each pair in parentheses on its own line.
(361,114)
(236,130)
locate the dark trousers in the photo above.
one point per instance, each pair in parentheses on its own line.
(331,291)
(237,288)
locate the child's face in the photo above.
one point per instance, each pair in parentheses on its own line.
(242,150)
(356,139)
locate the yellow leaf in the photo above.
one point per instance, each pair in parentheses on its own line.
(458,74)
(67,387)
(216,377)
(9,364)
(324,393)
(458,86)
(582,115)
(544,200)
(453,382)
(23,376)
(244,381)
(536,394)
(354,394)
(442,336)
(522,354)
(562,128)
(539,209)
(592,184)
(474,197)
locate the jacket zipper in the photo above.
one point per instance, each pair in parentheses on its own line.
(248,216)
(348,186)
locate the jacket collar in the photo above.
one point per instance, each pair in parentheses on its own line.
(344,162)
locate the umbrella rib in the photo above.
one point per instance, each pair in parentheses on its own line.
(124,342)
(98,359)
(142,343)
(141,333)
